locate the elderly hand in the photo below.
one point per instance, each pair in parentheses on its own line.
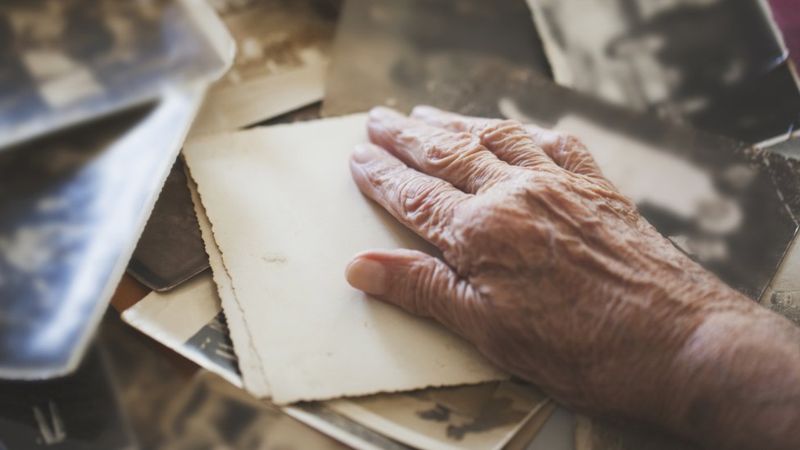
(555,277)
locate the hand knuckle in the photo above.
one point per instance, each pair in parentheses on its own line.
(468,145)
(415,196)
(502,130)
(500,127)
(570,143)
(434,152)
(442,152)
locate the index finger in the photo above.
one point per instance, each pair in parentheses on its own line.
(422,203)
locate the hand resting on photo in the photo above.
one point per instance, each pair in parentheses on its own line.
(555,277)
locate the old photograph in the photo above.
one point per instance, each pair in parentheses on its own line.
(211,413)
(189,320)
(275,36)
(280,64)
(63,62)
(714,64)
(483,416)
(479,416)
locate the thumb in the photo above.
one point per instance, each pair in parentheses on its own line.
(418,283)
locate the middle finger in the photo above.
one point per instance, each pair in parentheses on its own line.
(458,158)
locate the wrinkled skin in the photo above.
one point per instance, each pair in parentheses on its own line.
(555,277)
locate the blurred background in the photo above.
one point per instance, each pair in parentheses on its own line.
(111,331)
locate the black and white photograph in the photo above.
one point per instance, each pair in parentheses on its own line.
(283,48)
(715,64)
(62,63)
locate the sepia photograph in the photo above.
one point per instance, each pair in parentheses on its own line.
(282,56)
(483,416)
(276,35)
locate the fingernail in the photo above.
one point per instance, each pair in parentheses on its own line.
(367,275)
(364,153)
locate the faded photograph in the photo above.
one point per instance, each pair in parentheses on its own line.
(201,336)
(713,63)
(214,343)
(276,35)
(787,304)
(69,50)
(483,416)
(173,405)
(280,64)
(62,62)
(402,54)
(479,416)
(211,413)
